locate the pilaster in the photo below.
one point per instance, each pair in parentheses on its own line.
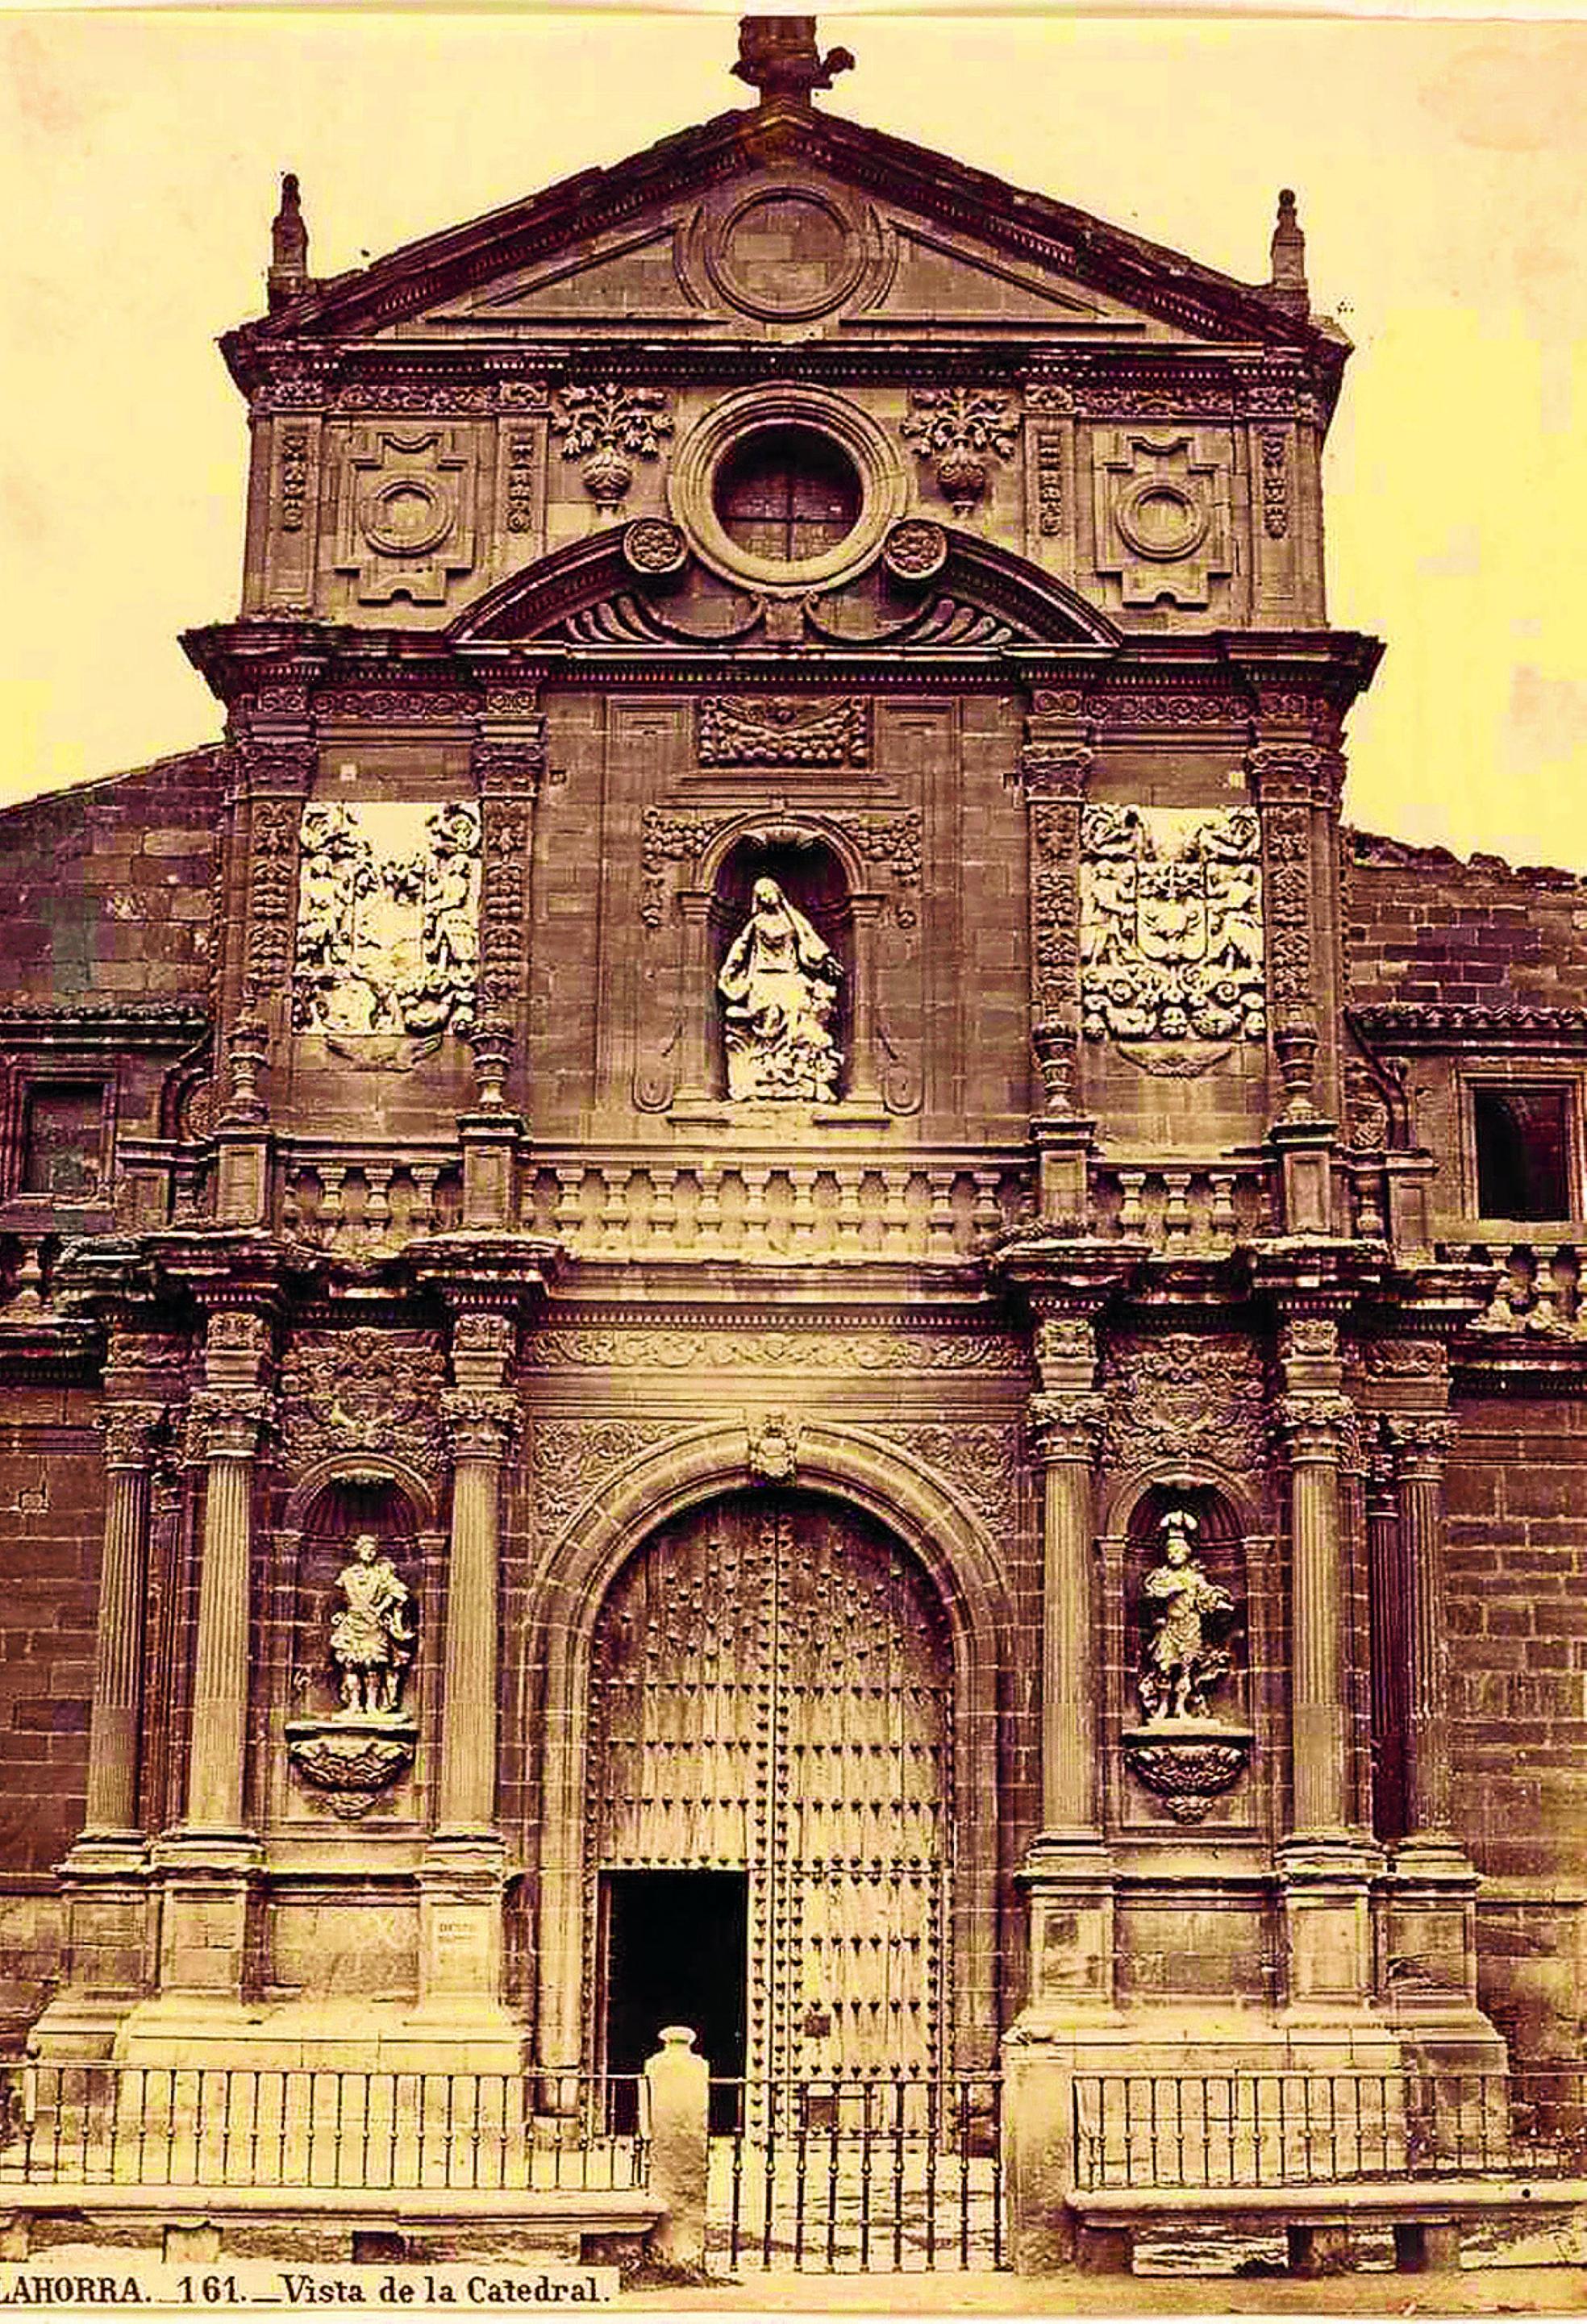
(1055,762)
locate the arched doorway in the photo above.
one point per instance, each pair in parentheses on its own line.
(770,1815)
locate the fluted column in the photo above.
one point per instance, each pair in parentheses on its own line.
(1065,1430)
(1313,1425)
(118,1652)
(1384,1588)
(480,1421)
(231,1420)
(1421,1444)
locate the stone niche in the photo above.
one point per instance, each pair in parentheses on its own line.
(1186,1735)
(360,1656)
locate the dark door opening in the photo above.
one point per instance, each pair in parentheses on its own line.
(678,1954)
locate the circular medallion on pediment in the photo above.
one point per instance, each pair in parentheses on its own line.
(785,253)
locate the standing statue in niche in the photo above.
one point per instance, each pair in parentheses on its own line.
(372,1637)
(780,981)
(1182,1661)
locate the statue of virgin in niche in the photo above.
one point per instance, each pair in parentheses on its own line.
(780,981)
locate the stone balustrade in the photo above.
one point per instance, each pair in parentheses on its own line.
(358,1202)
(941,1209)
(1539,1289)
(1184,1205)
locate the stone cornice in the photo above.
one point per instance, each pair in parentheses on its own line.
(102,1024)
(1488,1025)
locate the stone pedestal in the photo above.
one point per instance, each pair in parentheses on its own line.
(490,1144)
(209,1893)
(108,1965)
(1326,1885)
(1064,1144)
(1306,1165)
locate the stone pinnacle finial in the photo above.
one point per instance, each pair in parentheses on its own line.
(777,55)
(1287,282)
(289,246)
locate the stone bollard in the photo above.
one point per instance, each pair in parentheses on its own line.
(675,2086)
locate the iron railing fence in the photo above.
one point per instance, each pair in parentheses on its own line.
(105,2124)
(1253,2129)
(886,2172)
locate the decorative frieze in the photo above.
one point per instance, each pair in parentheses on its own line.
(1171,923)
(838,1352)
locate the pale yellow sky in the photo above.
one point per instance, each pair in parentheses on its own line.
(1439,168)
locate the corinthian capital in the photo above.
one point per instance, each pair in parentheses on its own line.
(1421,1444)
(1067,1427)
(129,1433)
(1319,1428)
(480,1421)
(227,1424)
(1055,770)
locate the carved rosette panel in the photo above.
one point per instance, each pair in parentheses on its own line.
(362,1391)
(784,731)
(1171,923)
(1162,514)
(388,924)
(405,523)
(1275,481)
(1178,1395)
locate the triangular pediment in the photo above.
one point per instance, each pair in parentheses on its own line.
(759,223)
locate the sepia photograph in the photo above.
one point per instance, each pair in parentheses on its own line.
(793,1161)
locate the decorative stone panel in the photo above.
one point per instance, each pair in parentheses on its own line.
(1162,514)
(387,955)
(405,521)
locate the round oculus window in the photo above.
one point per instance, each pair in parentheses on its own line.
(787,495)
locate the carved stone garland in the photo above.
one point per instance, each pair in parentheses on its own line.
(606,427)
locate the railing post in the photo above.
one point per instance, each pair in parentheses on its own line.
(677,2089)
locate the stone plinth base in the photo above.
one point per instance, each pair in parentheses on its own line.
(1326,1880)
(1429,1951)
(109,1958)
(361,2036)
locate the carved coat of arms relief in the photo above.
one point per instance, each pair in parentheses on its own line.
(1171,943)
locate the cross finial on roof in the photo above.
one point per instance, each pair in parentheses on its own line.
(777,55)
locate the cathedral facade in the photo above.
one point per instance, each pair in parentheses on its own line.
(752,1278)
